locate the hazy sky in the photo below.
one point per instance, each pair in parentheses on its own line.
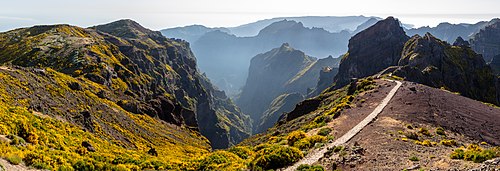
(158,14)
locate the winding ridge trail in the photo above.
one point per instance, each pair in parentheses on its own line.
(315,155)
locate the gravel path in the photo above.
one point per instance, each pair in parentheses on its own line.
(315,155)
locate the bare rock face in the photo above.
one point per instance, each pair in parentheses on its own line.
(433,62)
(371,51)
(282,70)
(487,41)
(495,65)
(326,77)
(385,48)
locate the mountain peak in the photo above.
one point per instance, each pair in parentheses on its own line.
(281,25)
(461,42)
(126,28)
(372,50)
(285,46)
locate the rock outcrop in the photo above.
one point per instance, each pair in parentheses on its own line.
(326,76)
(383,48)
(433,62)
(487,41)
(371,51)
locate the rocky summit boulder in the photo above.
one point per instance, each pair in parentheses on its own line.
(371,51)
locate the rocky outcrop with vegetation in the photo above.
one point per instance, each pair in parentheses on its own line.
(135,68)
(433,62)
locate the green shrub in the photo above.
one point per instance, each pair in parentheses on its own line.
(448,143)
(414,158)
(221,160)
(409,126)
(16,140)
(243,152)
(337,149)
(309,142)
(295,136)
(14,159)
(37,160)
(475,153)
(324,131)
(440,131)
(83,166)
(457,154)
(275,156)
(305,167)
(424,131)
(411,135)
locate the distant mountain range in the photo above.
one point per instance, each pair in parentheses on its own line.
(225,58)
(449,32)
(331,24)
(119,96)
(224,53)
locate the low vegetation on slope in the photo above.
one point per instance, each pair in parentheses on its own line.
(136,68)
(287,143)
(116,139)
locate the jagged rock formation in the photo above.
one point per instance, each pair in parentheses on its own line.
(433,62)
(226,58)
(461,42)
(145,72)
(371,51)
(280,105)
(487,41)
(425,60)
(282,70)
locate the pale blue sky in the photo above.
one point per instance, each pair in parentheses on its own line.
(158,14)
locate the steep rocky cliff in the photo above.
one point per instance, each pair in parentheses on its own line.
(283,70)
(427,60)
(371,51)
(495,65)
(487,41)
(138,69)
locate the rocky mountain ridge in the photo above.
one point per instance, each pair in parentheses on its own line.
(146,72)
